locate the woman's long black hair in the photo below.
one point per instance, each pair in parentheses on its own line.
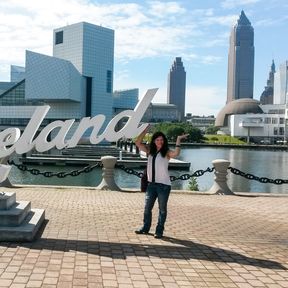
(153,148)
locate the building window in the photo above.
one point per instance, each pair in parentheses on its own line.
(109,81)
(274,121)
(58,37)
(88,96)
(281,121)
(268,120)
(281,130)
(275,131)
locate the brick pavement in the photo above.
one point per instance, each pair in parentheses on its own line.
(210,241)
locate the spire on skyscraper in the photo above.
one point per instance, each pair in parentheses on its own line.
(273,66)
(268,93)
(243,20)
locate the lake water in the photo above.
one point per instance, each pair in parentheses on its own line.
(262,163)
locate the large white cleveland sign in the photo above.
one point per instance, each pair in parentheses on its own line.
(11,139)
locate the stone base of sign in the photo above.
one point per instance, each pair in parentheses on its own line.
(6,183)
(18,222)
(7,200)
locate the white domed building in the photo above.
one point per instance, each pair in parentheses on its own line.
(246,118)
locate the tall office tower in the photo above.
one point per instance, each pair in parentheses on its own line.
(267,94)
(281,84)
(241,60)
(90,48)
(177,86)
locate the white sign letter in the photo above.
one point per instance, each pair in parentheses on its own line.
(8,137)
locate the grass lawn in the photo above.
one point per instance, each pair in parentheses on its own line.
(223,139)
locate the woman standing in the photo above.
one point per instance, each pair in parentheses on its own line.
(159,184)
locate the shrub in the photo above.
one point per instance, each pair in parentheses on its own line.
(193,184)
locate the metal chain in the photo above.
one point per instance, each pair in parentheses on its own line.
(260,179)
(129,170)
(49,174)
(197,173)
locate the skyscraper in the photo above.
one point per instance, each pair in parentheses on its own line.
(281,84)
(240,78)
(267,94)
(177,86)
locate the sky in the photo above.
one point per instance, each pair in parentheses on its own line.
(149,35)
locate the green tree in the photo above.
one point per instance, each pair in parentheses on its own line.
(211,130)
(172,130)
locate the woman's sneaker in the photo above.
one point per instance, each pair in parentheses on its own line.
(141,231)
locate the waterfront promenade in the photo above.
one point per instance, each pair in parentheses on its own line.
(88,240)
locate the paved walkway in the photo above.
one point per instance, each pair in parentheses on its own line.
(210,241)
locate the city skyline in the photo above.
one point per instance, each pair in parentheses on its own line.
(149,35)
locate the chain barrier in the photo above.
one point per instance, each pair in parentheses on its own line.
(49,174)
(131,171)
(197,173)
(260,179)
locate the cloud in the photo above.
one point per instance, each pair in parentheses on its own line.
(149,29)
(271,21)
(229,4)
(141,42)
(146,30)
(202,59)
(120,77)
(227,20)
(210,59)
(217,41)
(205,100)
(164,9)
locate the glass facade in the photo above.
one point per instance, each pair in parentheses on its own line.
(125,99)
(14,96)
(58,37)
(109,82)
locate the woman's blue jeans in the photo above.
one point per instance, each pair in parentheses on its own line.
(154,191)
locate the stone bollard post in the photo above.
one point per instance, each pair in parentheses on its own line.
(108,181)
(220,180)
